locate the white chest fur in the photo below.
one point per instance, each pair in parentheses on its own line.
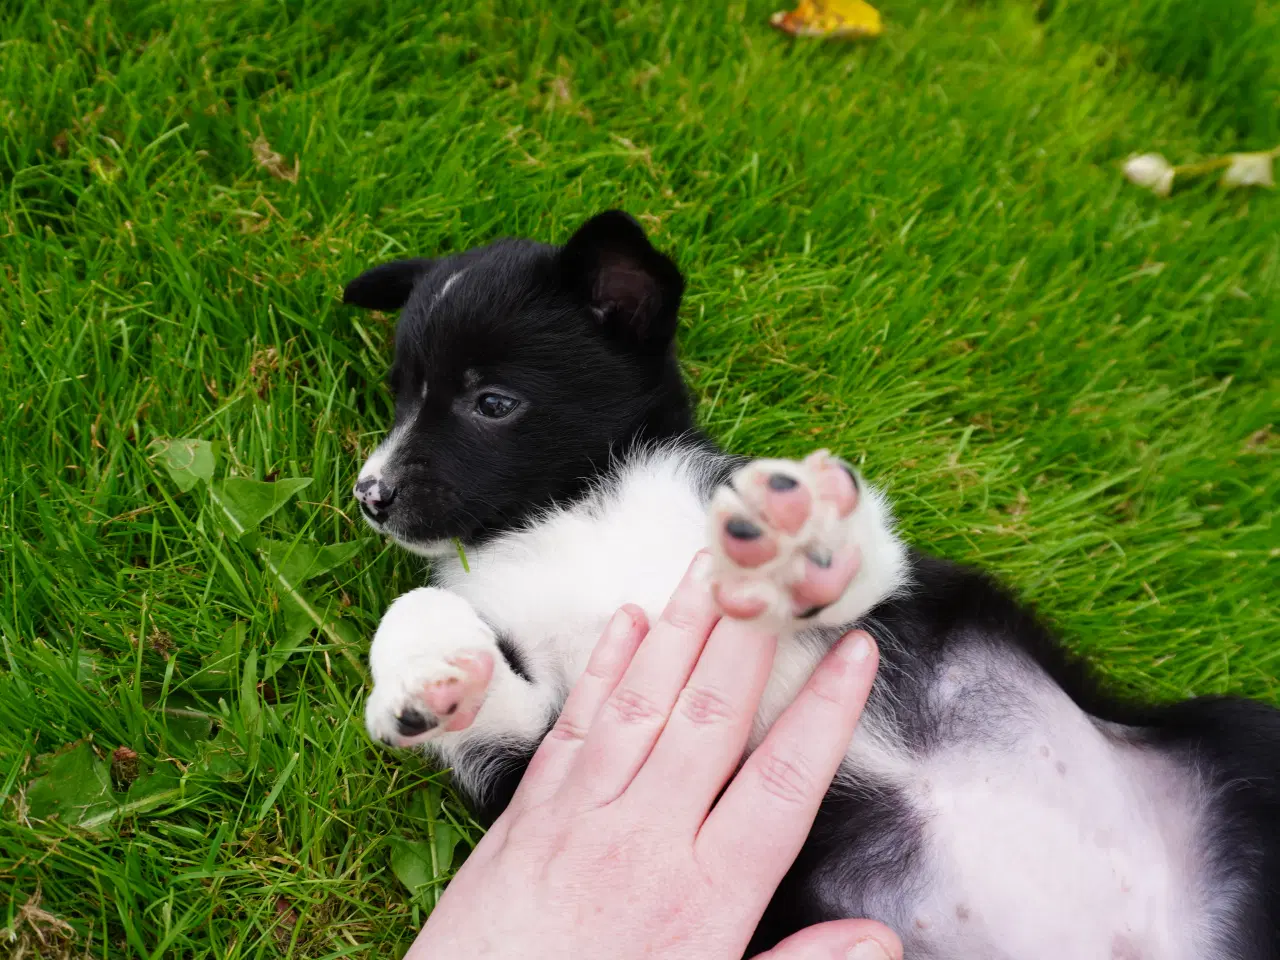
(554,586)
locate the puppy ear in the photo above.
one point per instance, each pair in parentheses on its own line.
(386,287)
(633,290)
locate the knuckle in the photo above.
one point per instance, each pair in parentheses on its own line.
(567,729)
(599,669)
(830,683)
(687,615)
(633,708)
(785,779)
(705,706)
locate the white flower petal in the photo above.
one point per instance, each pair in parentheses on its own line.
(1249,170)
(1150,170)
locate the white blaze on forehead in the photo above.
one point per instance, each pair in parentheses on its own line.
(440,295)
(444,289)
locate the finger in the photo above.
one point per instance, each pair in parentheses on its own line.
(634,713)
(839,940)
(609,661)
(706,734)
(766,812)
(743,600)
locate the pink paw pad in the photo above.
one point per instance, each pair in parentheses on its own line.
(455,700)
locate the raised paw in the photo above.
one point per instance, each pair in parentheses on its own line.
(432,661)
(784,539)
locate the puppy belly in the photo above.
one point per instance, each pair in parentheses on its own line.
(1049,838)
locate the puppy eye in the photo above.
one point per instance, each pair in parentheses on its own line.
(495,406)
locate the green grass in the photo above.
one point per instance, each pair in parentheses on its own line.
(918,251)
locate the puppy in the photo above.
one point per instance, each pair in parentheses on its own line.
(994,805)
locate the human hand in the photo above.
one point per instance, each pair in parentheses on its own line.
(612,847)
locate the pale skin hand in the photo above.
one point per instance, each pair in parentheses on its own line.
(612,847)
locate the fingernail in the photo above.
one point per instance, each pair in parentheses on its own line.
(781,482)
(868,950)
(620,623)
(700,572)
(860,650)
(742,529)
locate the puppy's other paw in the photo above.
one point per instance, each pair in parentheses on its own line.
(783,540)
(432,661)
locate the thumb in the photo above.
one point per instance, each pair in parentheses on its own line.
(839,940)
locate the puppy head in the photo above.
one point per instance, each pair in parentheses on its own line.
(518,368)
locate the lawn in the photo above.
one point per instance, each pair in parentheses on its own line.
(918,251)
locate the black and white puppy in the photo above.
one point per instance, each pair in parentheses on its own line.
(993,805)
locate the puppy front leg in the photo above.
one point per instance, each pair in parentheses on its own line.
(441,679)
(786,536)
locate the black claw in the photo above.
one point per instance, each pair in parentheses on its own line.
(811,612)
(819,557)
(781,482)
(411,723)
(742,529)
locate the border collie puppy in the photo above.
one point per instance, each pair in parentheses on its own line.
(993,804)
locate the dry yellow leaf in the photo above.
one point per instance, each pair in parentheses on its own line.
(272,162)
(829,18)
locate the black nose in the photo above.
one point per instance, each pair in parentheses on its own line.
(375,493)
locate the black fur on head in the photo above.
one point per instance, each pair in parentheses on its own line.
(519,368)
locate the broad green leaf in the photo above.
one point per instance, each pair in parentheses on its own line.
(163,779)
(217,669)
(298,626)
(155,789)
(74,786)
(433,799)
(250,709)
(443,835)
(299,562)
(221,758)
(88,663)
(161,786)
(246,503)
(347,632)
(447,839)
(188,460)
(185,730)
(292,565)
(411,863)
